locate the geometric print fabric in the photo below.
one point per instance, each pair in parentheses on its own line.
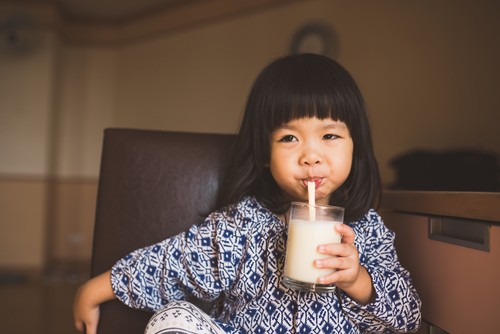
(238,253)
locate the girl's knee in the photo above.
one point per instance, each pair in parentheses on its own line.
(181,316)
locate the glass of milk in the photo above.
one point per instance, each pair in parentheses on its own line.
(310,226)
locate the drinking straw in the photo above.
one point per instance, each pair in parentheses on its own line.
(311,189)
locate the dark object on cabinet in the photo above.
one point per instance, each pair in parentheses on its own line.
(454,170)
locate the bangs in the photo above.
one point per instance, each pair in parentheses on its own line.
(294,104)
(321,89)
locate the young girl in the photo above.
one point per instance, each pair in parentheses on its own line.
(305,120)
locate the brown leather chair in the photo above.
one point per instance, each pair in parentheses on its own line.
(152,184)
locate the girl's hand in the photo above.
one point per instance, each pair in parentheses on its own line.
(87,300)
(349,276)
(85,312)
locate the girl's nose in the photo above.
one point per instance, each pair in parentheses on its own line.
(310,158)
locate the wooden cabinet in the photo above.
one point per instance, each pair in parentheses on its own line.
(459,286)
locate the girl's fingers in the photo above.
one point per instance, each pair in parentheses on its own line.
(79,326)
(343,257)
(344,250)
(338,276)
(346,232)
(90,329)
(336,262)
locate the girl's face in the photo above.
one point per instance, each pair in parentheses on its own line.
(310,149)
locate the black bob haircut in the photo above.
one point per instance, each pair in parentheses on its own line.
(289,88)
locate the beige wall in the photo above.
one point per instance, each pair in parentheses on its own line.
(428,70)
(26,113)
(22,216)
(26,106)
(85,106)
(72,213)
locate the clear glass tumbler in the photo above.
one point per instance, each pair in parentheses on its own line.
(310,226)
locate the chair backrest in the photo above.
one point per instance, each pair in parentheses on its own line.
(152,185)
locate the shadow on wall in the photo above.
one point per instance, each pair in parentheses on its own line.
(450,170)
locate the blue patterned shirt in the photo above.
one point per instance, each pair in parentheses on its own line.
(238,253)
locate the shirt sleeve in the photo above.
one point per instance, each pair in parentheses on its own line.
(150,277)
(397,306)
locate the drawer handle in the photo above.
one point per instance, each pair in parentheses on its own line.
(462,232)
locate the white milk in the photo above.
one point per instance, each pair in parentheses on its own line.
(304,237)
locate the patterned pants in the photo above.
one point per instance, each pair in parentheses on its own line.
(181,317)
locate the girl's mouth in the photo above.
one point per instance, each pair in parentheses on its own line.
(317,181)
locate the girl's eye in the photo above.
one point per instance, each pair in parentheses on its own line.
(288,138)
(330,136)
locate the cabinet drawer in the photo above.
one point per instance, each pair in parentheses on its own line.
(459,286)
